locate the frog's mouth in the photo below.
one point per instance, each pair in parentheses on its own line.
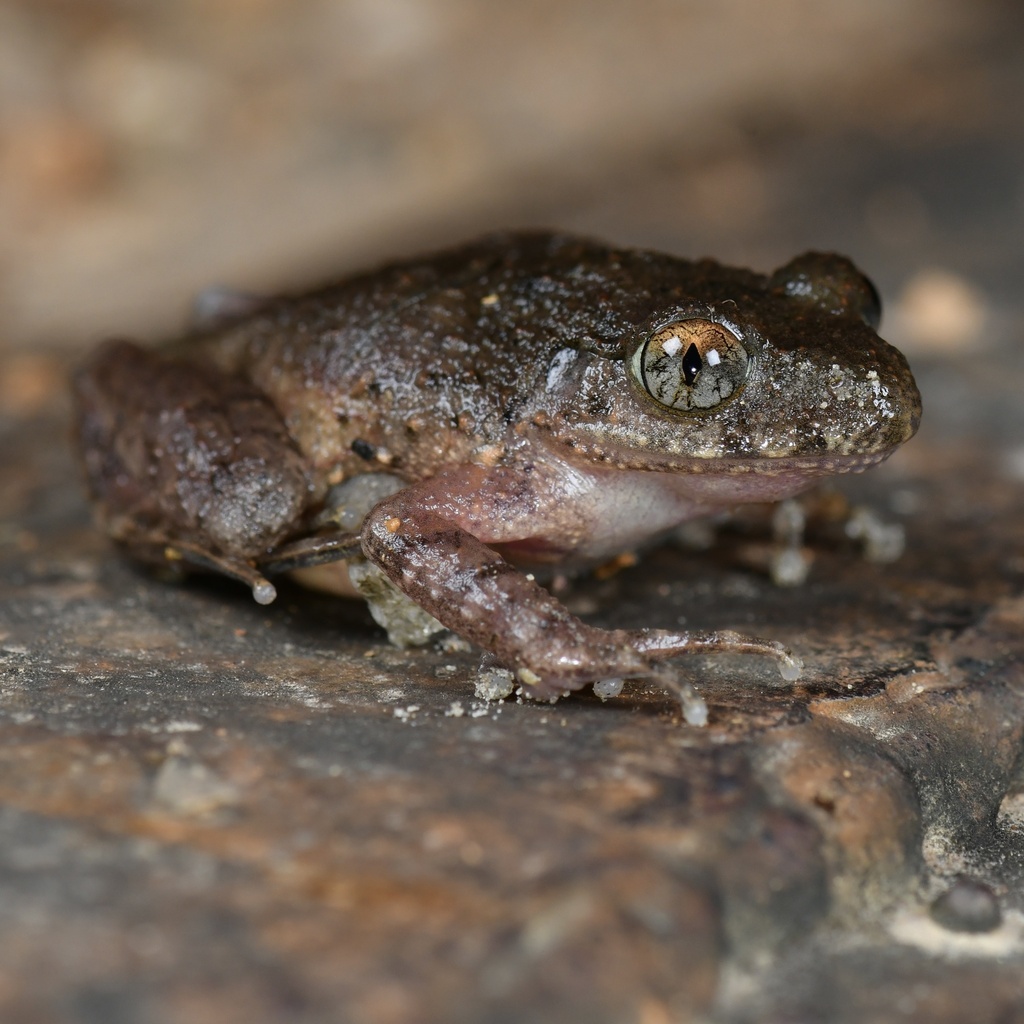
(826,464)
(806,467)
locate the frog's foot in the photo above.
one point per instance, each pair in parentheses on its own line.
(693,705)
(789,561)
(664,644)
(826,515)
(881,541)
(496,683)
(174,553)
(306,552)
(695,709)
(648,648)
(659,644)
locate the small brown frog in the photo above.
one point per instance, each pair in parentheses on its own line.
(462,422)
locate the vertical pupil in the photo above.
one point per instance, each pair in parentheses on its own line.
(692,364)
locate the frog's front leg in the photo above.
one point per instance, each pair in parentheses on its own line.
(437,542)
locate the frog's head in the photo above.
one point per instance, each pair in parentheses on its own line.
(785,371)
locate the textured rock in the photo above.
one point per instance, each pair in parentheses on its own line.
(227,812)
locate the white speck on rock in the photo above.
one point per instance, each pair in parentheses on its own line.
(494,684)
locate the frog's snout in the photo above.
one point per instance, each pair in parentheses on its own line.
(897,415)
(912,419)
(905,400)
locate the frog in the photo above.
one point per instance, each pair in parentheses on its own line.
(464,425)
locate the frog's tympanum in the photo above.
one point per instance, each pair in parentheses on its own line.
(454,426)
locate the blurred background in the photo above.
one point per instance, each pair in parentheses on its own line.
(149,150)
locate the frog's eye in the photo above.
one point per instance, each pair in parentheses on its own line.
(691,365)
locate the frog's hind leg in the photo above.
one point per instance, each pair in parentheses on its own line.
(171,552)
(188,463)
(298,554)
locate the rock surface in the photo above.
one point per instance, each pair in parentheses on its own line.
(217,811)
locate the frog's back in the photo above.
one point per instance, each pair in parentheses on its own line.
(423,361)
